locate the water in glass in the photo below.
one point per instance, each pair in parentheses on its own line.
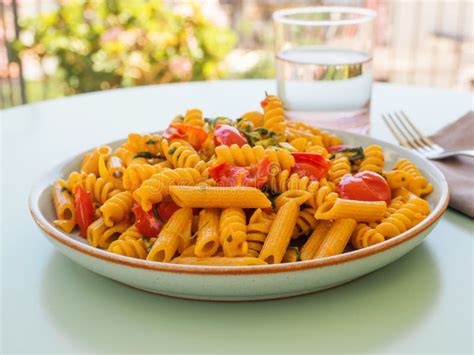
(329,87)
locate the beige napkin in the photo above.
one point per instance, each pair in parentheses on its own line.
(459,171)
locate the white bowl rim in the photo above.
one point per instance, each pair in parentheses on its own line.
(47,227)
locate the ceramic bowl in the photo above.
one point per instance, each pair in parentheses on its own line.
(241,283)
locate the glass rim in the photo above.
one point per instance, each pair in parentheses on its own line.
(281,15)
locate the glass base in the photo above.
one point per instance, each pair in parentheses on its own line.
(352,121)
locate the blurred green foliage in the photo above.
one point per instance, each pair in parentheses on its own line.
(102,44)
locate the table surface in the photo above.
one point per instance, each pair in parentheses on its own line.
(420,303)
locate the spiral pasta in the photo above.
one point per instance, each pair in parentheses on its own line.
(255,117)
(225,205)
(116,208)
(134,175)
(246,155)
(233,232)
(154,189)
(194,117)
(339,167)
(128,157)
(100,235)
(297,136)
(130,243)
(319,190)
(364,236)
(407,216)
(373,160)
(257,231)
(274,115)
(99,189)
(284,181)
(305,222)
(419,185)
(182,156)
(397,179)
(323,138)
(137,143)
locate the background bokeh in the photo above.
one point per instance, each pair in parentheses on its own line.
(52,48)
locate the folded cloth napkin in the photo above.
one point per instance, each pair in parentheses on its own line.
(459,171)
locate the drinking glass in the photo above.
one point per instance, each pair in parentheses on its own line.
(324,65)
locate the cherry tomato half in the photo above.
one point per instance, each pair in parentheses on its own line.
(228,135)
(193,134)
(226,174)
(264,102)
(166,209)
(84,209)
(364,186)
(146,223)
(313,165)
(336,148)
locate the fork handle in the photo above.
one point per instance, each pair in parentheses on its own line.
(452,153)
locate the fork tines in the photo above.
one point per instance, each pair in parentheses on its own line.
(408,135)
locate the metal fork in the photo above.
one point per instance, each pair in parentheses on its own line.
(410,137)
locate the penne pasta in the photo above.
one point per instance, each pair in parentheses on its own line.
(315,240)
(361,211)
(239,192)
(336,238)
(219,197)
(169,238)
(280,233)
(65,209)
(207,241)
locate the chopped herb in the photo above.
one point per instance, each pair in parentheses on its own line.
(65,189)
(359,153)
(146,155)
(265,131)
(171,151)
(249,137)
(212,122)
(156,214)
(151,141)
(287,146)
(229,239)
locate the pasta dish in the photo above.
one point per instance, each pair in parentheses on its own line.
(258,189)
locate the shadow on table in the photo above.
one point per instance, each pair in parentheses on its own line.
(101,315)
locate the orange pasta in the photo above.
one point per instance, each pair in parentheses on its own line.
(251,191)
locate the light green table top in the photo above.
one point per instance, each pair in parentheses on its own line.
(423,303)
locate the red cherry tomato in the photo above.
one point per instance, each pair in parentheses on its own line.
(166,209)
(315,166)
(84,209)
(364,186)
(193,134)
(146,223)
(228,135)
(336,148)
(226,174)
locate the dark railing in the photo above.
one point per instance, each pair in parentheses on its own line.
(11,70)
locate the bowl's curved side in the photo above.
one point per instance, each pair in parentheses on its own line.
(42,211)
(239,287)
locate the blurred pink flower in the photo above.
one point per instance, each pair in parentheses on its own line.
(180,67)
(129,38)
(112,34)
